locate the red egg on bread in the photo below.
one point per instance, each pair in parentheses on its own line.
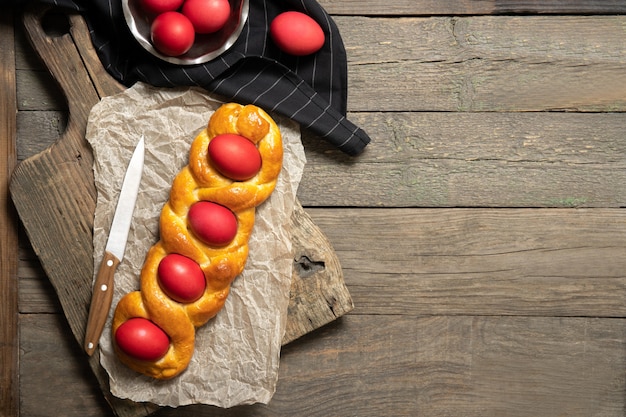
(234,156)
(212,223)
(181,278)
(142,339)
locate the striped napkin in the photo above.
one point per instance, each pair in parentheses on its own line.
(309,90)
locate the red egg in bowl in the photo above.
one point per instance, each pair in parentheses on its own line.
(205,47)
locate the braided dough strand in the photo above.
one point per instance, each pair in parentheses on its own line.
(200,181)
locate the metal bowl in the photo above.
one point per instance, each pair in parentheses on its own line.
(206,46)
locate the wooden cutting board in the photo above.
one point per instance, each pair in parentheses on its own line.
(55,197)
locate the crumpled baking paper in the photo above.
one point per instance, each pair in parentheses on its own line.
(237,353)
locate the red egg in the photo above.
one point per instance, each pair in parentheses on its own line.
(207,16)
(142,339)
(235,156)
(212,223)
(160,6)
(296,33)
(181,278)
(172,33)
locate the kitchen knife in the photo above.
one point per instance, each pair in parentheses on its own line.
(114,250)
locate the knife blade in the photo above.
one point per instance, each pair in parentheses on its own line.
(102,295)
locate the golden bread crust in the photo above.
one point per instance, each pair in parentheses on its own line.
(200,181)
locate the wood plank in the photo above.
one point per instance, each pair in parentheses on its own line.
(486,63)
(566,262)
(440,159)
(36,90)
(533,262)
(471,7)
(588,147)
(373,365)
(38,130)
(36,293)
(25,56)
(456,366)
(473,160)
(9,373)
(50,353)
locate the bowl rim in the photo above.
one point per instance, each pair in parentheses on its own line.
(144,39)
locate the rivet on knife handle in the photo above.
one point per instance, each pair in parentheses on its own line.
(100,301)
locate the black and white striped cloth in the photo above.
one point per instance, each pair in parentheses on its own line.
(310,90)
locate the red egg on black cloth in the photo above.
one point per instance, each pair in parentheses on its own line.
(297,33)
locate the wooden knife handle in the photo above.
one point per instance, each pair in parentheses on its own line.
(100,301)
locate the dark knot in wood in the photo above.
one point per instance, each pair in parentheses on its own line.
(307,267)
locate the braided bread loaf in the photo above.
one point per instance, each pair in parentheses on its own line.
(200,181)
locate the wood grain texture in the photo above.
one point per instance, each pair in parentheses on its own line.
(481,234)
(465,159)
(35,92)
(60,178)
(485,63)
(456,366)
(9,359)
(318,293)
(451,159)
(478,64)
(471,7)
(530,262)
(70,158)
(50,353)
(526,262)
(35,292)
(447,365)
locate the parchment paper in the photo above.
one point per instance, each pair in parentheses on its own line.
(237,353)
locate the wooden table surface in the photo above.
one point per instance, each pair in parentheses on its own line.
(482,233)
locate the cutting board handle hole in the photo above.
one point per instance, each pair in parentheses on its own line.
(55,23)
